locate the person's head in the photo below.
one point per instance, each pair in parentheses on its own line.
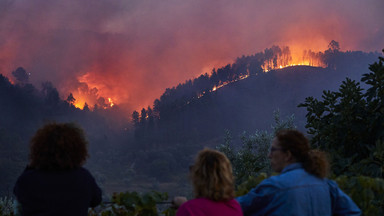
(290,146)
(212,176)
(58,146)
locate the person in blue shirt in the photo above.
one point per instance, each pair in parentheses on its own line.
(301,188)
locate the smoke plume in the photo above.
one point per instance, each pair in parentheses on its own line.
(130,51)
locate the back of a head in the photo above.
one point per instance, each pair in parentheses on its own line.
(314,161)
(212,176)
(58,146)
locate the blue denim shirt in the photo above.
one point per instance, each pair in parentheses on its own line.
(296,192)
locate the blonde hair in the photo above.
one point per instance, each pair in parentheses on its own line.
(212,176)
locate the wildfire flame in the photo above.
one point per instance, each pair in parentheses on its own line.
(92,94)
(81,101)
(283,60)
(111,104)
(95,91)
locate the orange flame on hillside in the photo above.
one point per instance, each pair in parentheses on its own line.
(91,94)
(285,59)
(282,60)
(93,91)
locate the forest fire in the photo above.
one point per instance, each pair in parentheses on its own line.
(226,83)
(283,58)
(94,91)
(90,94)
(111,104)
(81,102)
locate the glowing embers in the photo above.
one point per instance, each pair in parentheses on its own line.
(111,104)
(241,77)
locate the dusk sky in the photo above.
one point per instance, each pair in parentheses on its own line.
(131,50)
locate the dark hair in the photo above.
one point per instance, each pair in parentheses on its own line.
(314,161)
(212,176)
(58,146)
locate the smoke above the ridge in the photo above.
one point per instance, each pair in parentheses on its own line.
(131,51)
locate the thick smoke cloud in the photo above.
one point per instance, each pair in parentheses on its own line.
(132,50)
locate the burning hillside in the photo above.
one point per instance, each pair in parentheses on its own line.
(95,91)
(130,51)
(277,58)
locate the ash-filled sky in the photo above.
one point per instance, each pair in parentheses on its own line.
(131,50)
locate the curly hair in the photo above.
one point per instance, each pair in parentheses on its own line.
(212,176)
(58,146)
(314,161)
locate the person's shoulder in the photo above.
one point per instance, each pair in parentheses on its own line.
(29,173)
(272,182)
(196,201)
(290,175)
(83,171)
(189,204)
(27,176)
(331,183)
(333,187)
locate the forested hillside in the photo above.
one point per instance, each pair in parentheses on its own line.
(155,154)
(243,95)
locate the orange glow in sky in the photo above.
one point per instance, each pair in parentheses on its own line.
(131,51)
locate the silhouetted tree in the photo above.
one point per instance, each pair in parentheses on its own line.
(21,75)
(214,78)
(70,99)
(334,46)
(151,121)
(350,124)
(51,96)
(135,118)
(332,55)
(86,107)
(143,117)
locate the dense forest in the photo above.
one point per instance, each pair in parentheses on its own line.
(242,96)
(155,152)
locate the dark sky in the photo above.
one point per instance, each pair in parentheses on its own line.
(131,50)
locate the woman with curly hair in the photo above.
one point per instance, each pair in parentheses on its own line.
(55,183)
(302,187)
(213,185)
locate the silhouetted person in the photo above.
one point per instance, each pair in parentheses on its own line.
(301,188)
(55,183)
(213,186)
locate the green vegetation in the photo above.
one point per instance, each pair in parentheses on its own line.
(251,158)
(133,204)
(349,124)
(367,192)
(7,206)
